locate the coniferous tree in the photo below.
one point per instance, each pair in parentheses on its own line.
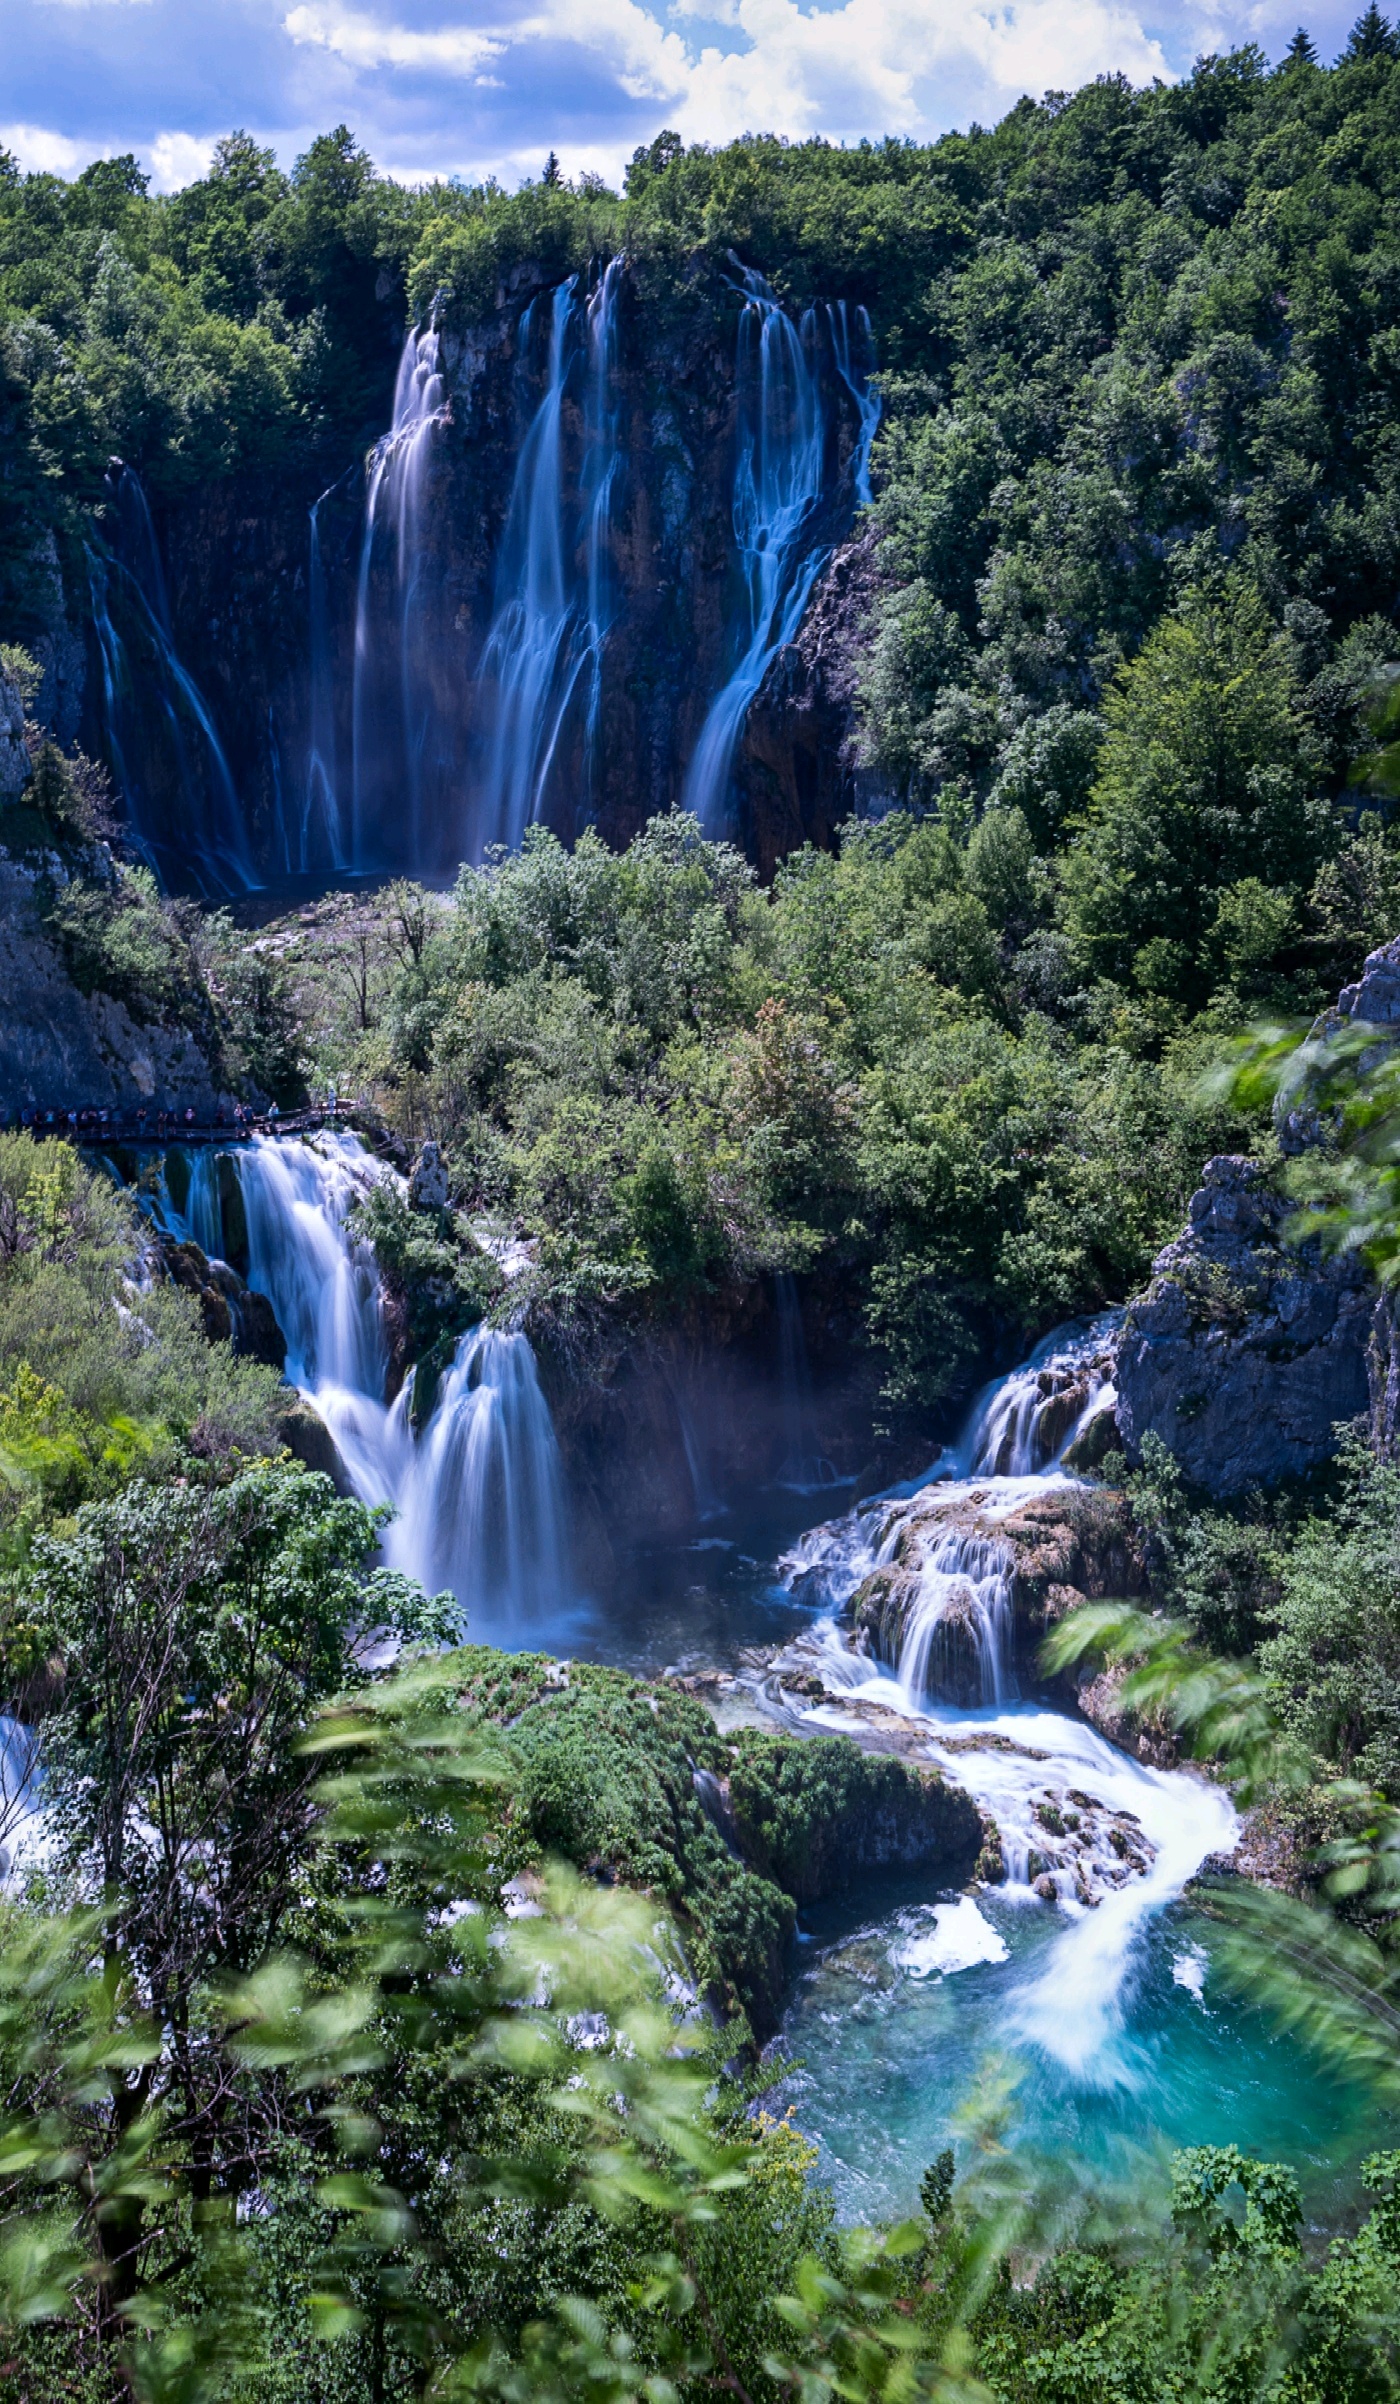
(1371,36)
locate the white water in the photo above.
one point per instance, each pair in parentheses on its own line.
(1107,1840)
(542,663)
(780,482)
(319,831)
(478,1494)
(392,714)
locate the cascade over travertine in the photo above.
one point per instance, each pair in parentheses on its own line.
(478,1494)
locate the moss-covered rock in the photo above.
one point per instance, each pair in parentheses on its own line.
(635,1782)
(816,1813)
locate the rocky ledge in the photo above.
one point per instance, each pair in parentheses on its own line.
(1245,1352)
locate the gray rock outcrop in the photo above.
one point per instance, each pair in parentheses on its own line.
(1245,1352)
(60,1047)
(14,753)
(427,1187)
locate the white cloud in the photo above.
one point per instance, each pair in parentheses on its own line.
(41,152)
(895,65)
(179,159)
(366,42)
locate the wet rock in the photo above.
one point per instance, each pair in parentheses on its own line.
(796,777)
(305,1435)
(1147,1738)
(256,1334)
(1245,1352)
(231,1311)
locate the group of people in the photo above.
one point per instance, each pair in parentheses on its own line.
(164,1124)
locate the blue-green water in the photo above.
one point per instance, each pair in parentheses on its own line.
(891,2060)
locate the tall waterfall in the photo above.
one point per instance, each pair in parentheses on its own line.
(541,670)
(479,1492)
(319,833)
(156,717)
(781,479)
(393,717)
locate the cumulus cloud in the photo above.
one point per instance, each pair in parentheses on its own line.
(367,42)
(40,151)
(867,65)
(179,159)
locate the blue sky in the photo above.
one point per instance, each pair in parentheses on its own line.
(476,87)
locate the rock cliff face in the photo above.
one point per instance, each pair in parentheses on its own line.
(270,634)
(60,1048)
(663,1426)
(1245,1352)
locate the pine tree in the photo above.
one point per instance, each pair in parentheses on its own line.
(1302,50)
(553,175)
(1371,36)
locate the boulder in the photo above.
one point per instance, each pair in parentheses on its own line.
(307,1438)
(427,1187)
(1245,1352)
(232,1312)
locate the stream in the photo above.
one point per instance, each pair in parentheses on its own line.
(1081,1985)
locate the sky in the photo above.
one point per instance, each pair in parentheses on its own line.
(488,87)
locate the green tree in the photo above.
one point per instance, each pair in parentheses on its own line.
(1204,780)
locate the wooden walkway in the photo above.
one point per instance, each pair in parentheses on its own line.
(126,1130)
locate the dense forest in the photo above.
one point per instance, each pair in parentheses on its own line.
(382,2015)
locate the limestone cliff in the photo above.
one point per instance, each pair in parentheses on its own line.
(265,630)
(1245,1352)
(60,1048)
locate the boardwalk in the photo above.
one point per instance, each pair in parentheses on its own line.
(100,1131)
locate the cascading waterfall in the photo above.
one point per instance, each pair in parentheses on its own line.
(392,689)
(478,1492)
(323,1284)
(855,364)
(780,482)
(127,584)
(963,1600)
(554,597)
(1108,1839)
(1028,1421)
(481,1493)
